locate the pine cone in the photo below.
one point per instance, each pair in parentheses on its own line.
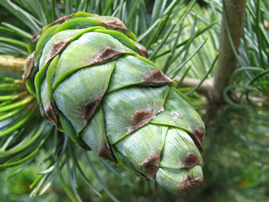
(93,81)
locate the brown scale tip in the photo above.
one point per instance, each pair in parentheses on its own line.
(199,134)
(58,21)
(57,47)
(116,23)
(51,115)
(143,177)
(152,164)
(61,19)
(85,147)
(143,52)
(43,113)
(190,161)
(188,184)
(36,35)
(106,154)
(24,83)
(29,66)
(91,107)
(105,55)
(140,118)
(157,77)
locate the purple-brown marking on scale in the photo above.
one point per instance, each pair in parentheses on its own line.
(108,53)
(36,36)
(199,134)
(57,47)
(142,51)
(29,66)
(115,23)
(85,147)
(189,183)
(141,118)
(50,114)
(91,107)
(152,164)
(106,154)
(190,161)
(61,20)
(158,77)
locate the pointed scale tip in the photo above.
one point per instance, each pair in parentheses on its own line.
(152,164)
(180,181)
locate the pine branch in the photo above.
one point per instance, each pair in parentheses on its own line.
(205,89)
(233,14)
(12,64)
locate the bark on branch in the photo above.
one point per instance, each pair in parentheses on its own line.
(205,89)
(13,64)
(233,12)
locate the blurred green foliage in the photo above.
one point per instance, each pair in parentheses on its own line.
(236,154)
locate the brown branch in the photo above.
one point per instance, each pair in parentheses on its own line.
(12,64)
(205,89)
(234,12)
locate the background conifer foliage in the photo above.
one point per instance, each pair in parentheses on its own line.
(215,52)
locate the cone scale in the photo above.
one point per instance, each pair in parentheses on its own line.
(94,82)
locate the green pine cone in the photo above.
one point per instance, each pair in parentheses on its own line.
(92,79)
